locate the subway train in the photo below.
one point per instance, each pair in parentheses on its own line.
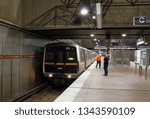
(65,61)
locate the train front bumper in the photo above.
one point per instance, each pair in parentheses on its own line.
(60,76)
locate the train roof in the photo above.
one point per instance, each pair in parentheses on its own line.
(65,44)
(61,44)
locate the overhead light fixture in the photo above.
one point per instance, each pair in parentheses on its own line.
(84,11)
(92,35)
(95,39)
(140,42)
(84,8)
(93,17)
(146,43)
(124,35)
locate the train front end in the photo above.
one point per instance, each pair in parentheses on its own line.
(60,62)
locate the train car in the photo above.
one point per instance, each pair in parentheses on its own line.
(65,61)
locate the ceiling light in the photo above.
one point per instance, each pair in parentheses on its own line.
(95,39)
(92,35)
(124,35)
(140,42)
(93,17)
(84,11)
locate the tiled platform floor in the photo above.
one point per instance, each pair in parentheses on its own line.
(121,85)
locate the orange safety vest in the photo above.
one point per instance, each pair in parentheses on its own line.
(98,58)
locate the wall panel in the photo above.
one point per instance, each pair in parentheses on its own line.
(1,42)
(24,74)
(15,77)
(121,56)
(7,66)
(18,73)
(7,80)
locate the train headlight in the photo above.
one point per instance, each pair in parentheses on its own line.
(50,75)
(69,76)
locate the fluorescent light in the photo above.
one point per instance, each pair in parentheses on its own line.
(140,42)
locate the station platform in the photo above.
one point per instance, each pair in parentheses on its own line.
(121,85)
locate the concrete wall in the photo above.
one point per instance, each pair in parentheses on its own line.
(21,12)
(20,62)
(121,56)
(11,10)
(123,16)
(88,43)
(34,8)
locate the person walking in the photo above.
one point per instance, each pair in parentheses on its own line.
(98,60)
(106,62)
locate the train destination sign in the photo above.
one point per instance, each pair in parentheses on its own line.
(141,20)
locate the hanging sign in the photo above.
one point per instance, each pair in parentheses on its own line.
(141,20)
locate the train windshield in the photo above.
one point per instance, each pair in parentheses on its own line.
(54,55)
(60,54)
(49,56)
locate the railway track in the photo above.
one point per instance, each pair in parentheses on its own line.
(43,93)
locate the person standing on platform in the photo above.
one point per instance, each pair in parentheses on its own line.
(98,60)
(106,62)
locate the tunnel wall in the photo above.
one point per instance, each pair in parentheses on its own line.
(20,62)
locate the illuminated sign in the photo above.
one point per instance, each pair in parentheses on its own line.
(141,20)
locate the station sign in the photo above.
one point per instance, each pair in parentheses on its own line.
(141,20)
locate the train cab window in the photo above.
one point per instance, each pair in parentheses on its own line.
(49,57)
(71,56)
(59,56)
